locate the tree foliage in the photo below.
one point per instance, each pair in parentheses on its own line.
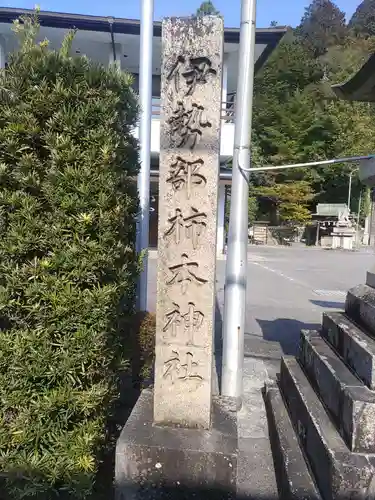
(290,200)
(322,26)
(207,8)
(67,262)
(363,20)
(297,117)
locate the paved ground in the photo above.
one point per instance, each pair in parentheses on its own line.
(288,289)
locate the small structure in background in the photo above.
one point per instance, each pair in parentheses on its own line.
(334,226)
(262,233)
(343,234)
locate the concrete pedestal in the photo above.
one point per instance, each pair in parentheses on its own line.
(329,402)
(343,238)
(155,462)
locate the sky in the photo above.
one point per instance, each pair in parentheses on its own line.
(285,12)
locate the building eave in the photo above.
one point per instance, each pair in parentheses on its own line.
(361,86)
(264,36)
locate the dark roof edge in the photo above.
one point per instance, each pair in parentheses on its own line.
(269,36)
(361,86)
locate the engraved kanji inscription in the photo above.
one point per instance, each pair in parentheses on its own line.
(191,226)
(187,124)
(183,175)
(185,273)
(194,70)
(173,320)
(175,369)
(191,321)
(191,87)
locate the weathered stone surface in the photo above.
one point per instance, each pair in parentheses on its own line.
(325,370)
(293,477)
(189,167)
(158,462)
(338,472)
(353,345)
(360,307)
(370,278)
(358,410)
(352,405)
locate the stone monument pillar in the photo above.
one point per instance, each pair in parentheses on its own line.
(188,197)
(179,441)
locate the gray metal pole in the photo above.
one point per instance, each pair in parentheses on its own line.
(145,92)
(358,216)
(320,163)
(236,268)
(350,189)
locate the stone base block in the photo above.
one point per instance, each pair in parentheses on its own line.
(360,307)
(370,279)
(351,404)
(344,241)
(294,480)
(355,347)
(155,462)
(358,409)
(339,473)
(327,373)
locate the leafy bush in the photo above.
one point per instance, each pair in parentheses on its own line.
(67,262)
(143,330)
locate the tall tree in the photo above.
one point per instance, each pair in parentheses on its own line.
(207,8)
(291,67)
(289,200)
(288,125)
(363,20)
(353,121)
(322,26)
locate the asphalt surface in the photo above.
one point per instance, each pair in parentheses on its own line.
(288,288)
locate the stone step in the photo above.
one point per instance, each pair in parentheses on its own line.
(355,347)
(360,307)
(293,476)
(351,404)
(338,472)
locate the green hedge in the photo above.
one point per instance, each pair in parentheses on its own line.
(68,265)
(142,330)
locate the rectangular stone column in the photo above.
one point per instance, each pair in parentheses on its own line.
(192,54)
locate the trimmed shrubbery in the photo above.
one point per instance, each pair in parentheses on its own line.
(68,265)
(143,331)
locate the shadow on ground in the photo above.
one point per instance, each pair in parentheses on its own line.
(285,332)
(328,304)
